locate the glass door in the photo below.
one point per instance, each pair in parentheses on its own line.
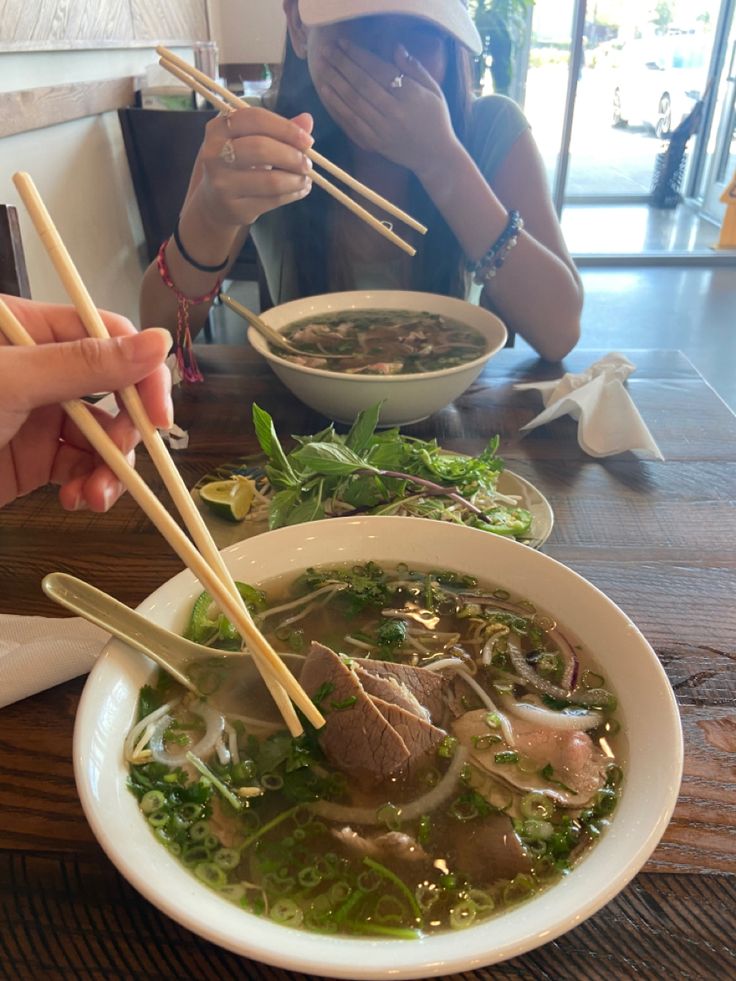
(721,169)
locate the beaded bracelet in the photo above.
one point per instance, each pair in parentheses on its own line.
(185,359)
(486,268)
(193,262)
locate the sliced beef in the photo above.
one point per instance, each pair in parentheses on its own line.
(426,686)
(357,738)
(420,736)
(490,849)
(390,689)
(375,725)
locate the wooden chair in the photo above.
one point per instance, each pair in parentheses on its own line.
(13,272)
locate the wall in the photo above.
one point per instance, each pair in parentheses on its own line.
(82,174)
(248,31)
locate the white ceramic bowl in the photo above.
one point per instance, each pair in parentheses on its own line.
(408,398)
(647,710)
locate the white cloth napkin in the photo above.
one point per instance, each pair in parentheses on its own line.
(608,420)
(37,653)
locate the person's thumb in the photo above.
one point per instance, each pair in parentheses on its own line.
(50,373)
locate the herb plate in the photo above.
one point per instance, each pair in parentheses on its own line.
(228,532)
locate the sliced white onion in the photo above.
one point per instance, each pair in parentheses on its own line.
(215,724)
(140,728)
(545,718)
(407,812)
(483,695)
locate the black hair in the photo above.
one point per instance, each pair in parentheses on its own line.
(438,266)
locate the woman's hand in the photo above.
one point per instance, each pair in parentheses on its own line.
(408,124)
(253,161)
(38,442)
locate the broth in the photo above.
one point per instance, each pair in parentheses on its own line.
(509,776)
(384,342)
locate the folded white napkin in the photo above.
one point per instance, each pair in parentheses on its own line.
(608,420)
(37,653)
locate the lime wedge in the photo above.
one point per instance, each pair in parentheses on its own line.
(230,499)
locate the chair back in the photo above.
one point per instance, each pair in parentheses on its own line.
(13,272)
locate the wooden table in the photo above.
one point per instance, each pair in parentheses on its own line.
(658,538)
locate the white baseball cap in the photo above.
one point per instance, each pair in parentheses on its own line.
(451,15)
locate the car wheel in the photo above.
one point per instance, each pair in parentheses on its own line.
(616,117)
(663,125)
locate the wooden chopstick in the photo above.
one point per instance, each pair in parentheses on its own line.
(263,653)
(224,100)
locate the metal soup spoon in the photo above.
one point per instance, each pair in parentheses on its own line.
(245,693)
(270,334)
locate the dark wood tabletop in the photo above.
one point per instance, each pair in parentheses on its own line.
(658,538)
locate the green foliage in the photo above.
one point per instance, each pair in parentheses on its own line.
(502,26)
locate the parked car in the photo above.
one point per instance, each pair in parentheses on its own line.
(657,81)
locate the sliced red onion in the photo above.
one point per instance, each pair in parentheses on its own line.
(215,725)
(591,696)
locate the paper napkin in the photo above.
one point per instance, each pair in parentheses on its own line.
(37,653)
(608,420)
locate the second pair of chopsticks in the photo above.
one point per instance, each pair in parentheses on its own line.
(225,100)
(207,563)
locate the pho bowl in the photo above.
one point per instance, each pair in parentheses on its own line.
(646,710)
(407,398)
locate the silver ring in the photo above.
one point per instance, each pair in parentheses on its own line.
(226,114)
(397,82)
(227,152)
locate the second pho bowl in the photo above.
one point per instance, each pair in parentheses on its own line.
(407,398)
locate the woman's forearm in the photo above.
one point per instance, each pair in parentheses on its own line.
(537,292)
(206,242)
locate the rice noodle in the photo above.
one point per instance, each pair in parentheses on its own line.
(215,725)
(503,722)
(407,812)
(232,742)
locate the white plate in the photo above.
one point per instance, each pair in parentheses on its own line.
(227,533)
(647,711)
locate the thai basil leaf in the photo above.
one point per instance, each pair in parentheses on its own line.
(362,430)
(282,505)
(271,446)
(329,459)
(309,510)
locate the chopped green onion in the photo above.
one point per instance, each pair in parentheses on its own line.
(388,874)
(272,781)
(229,796)
(286,912)
(536,805)
(447,747)
(508,756)
(158,819)
(211,874)
(463,915)
(227,858)
(154,800)
(390,815)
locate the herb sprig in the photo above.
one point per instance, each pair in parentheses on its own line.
(383,472)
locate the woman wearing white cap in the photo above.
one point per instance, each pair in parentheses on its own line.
(385,87)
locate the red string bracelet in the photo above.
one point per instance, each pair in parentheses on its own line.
(185,358)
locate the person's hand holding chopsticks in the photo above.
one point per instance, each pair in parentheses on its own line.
(38,443)
(252,161)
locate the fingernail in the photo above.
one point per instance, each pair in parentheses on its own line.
(109,496)
(169,413)
(145,346)
(78,504)
(305,139)
(308,163)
